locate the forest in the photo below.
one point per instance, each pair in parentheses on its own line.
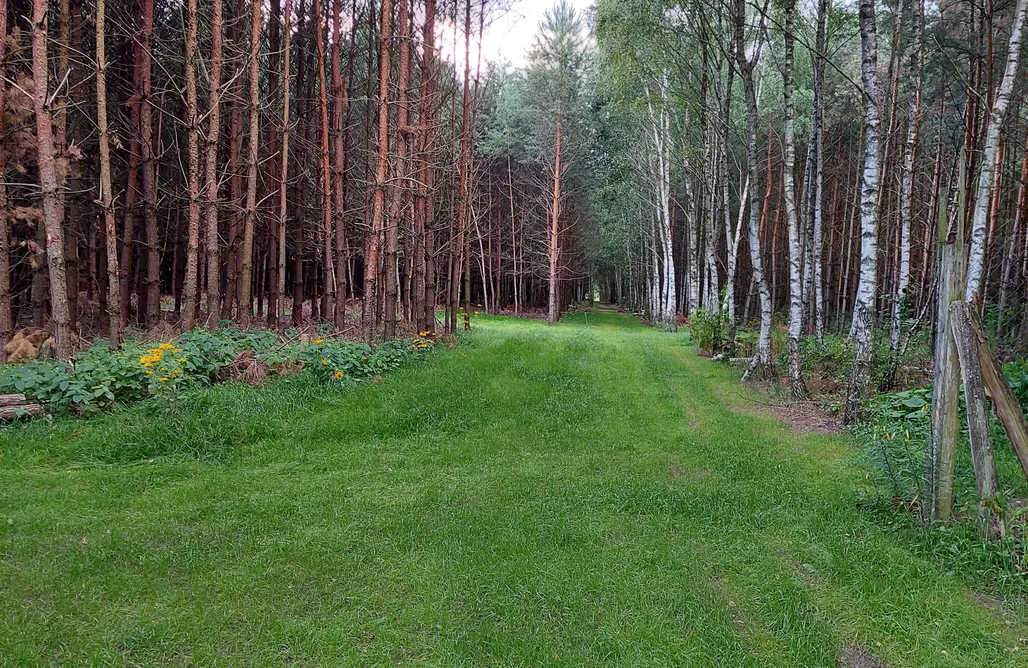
(400,202)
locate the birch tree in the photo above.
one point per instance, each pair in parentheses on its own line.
(986,177)
(862,330)
(907,177)
(746,64)
(796,385)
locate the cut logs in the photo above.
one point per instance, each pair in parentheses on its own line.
(15,406)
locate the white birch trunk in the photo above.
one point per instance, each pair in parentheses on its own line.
(864,306)
(796,385)
(762,359)
(979,233)
(907,180)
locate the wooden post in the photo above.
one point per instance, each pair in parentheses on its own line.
(942,446)
(977,406)
(996,386)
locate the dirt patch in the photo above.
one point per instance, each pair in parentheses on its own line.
(990,604)
(679,472)
(807,417)
(737,617)
(855,656)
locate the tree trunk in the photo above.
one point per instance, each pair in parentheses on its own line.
(397,204)
(153,252)
(328,259)
(246,278)
(976,261)
(340,99)
(424,288)
(47,161)
(283,178)
(369,320)
(6,321)
(106,196)
(762,360)
(553,311)
(907,179)
(212,237)
(191,293)
(796,385)
(862,330)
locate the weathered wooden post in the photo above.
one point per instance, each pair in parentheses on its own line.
(978,409)
(942,446)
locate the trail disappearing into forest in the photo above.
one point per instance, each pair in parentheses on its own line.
(589,494)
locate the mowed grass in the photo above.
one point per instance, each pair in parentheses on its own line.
(591,494)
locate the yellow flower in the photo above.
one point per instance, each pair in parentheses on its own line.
(181,360)
(318,342)
(476,312)
(339,375)
(164,380)
(149,373)
(324,362)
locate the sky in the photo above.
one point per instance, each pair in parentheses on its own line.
(511,34)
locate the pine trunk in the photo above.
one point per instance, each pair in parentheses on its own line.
(47,161)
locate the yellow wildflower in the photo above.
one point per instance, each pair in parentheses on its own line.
(324,362)
(339,375)
(318,342)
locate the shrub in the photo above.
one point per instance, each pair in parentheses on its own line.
(98,378)
(708,330)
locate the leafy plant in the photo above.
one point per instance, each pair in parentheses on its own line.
(98,378)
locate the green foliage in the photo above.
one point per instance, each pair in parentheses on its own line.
(830,357)
(99,378)
(1017,375)
(894,440)
(708,330)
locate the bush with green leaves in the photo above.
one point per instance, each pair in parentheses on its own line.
(99,378)
(708,330)
(1017,374)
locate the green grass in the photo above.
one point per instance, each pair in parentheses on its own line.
(592,494)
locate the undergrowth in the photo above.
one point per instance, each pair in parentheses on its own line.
(164,372)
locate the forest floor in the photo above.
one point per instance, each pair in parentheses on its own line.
(590,494)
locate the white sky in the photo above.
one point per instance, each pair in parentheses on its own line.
(511,34)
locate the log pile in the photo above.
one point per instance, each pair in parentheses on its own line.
(15,406)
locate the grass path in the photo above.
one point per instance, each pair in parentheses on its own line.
(592,494)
